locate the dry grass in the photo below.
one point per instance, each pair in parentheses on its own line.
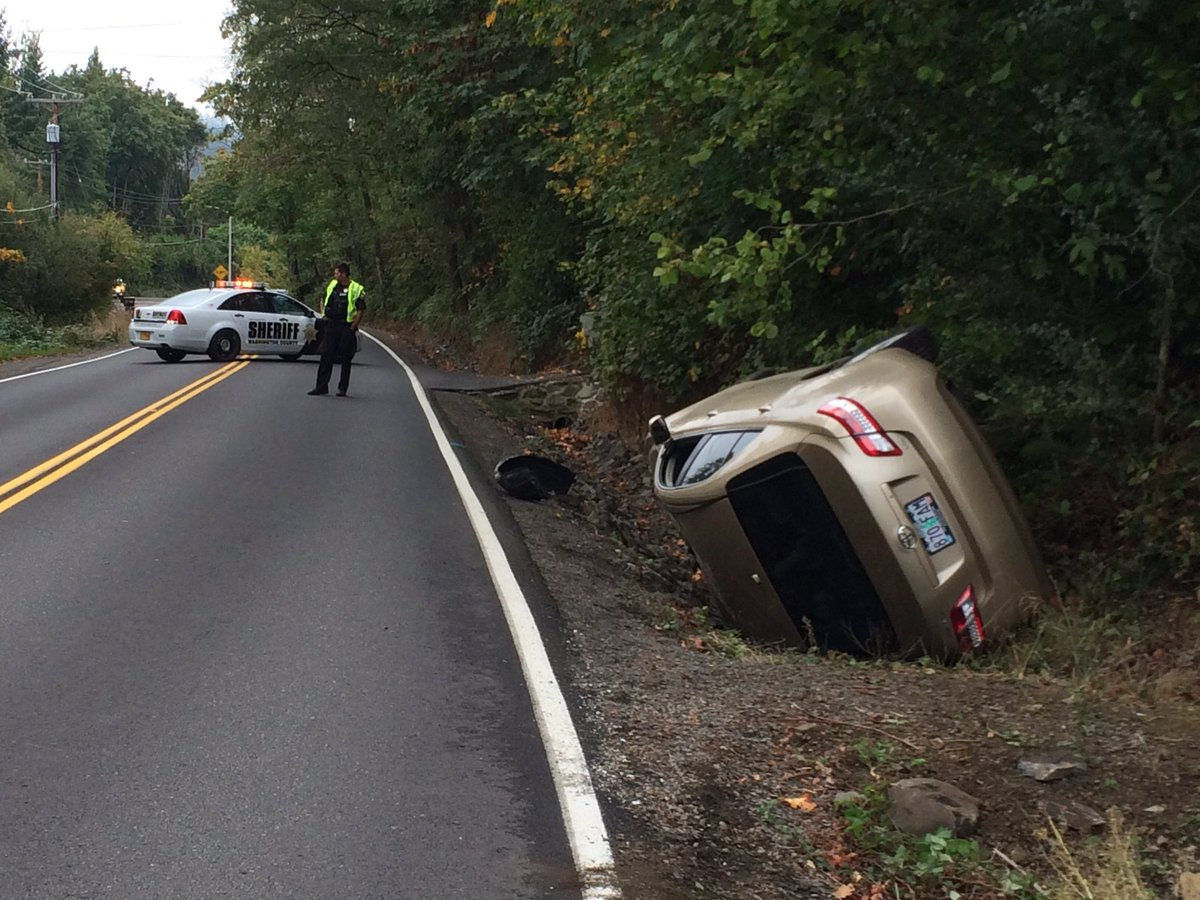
(102,327)
(1149,653)
(1103,869)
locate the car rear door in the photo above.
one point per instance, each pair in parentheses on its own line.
(265,329)
(297,323)
(246,315)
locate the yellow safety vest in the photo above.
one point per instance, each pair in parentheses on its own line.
(353,292)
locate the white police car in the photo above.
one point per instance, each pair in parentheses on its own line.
(225,320)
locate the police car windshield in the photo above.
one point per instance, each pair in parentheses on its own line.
(192,298)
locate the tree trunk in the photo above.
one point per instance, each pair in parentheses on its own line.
(459,230)
(376,244)
(1164,358)
(458,296)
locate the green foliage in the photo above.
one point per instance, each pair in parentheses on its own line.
(80,259)
(935,864)
(933,857)
(67,269)
(263,264)
(130,148)
(791,163)
(380,137)
(21,335)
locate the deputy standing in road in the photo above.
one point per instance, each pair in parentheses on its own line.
(342,309)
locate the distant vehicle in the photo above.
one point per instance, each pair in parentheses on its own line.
(852,506)
(120,293)
(226,320)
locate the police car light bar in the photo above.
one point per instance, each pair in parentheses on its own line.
(241,283)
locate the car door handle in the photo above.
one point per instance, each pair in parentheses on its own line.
(239,315)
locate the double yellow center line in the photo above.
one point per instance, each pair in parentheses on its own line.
(45,474)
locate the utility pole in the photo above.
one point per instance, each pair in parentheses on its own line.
(53,138)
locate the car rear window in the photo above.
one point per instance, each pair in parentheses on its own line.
(190,298)
(805,552)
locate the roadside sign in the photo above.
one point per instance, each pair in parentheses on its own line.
(220,272)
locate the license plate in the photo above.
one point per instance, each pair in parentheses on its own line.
(931,524)
(143,335)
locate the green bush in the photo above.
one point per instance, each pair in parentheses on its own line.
(68,267)
(21,335)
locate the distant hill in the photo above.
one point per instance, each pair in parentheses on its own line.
(217,128)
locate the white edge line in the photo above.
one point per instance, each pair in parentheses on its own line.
(82,362)
(568,766)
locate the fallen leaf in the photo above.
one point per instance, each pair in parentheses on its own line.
(804,803)
(839,858)
(843,892)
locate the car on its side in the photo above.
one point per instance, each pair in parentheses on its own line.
(853,506)
(225,321)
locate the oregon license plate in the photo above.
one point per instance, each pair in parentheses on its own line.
(925,514)
(143,335)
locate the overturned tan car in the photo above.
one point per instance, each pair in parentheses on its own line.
(853,506)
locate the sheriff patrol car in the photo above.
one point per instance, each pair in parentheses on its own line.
(225,320)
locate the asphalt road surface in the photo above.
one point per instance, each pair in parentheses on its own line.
(249,647)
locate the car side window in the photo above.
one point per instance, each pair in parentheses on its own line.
(260,303)
(248,302)
(712,453)
(287,306)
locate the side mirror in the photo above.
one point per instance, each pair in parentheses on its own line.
(659,432)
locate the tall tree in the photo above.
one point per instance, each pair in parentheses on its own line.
(380,123)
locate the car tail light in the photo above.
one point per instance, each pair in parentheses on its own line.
(968,624)
(176,317)
(867,433)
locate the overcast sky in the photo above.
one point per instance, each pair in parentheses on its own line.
(169,45)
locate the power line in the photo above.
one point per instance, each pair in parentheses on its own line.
(181,243)
(58,87)
(29,84)
(110,27)
(31,209)
(78,98)
(139,196)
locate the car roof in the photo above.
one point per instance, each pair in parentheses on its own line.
(199,296)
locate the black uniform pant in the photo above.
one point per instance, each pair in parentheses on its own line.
(339,343)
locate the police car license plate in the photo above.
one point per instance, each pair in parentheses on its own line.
(925,514)
(143,335)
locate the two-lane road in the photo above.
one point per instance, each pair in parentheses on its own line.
(250,647)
